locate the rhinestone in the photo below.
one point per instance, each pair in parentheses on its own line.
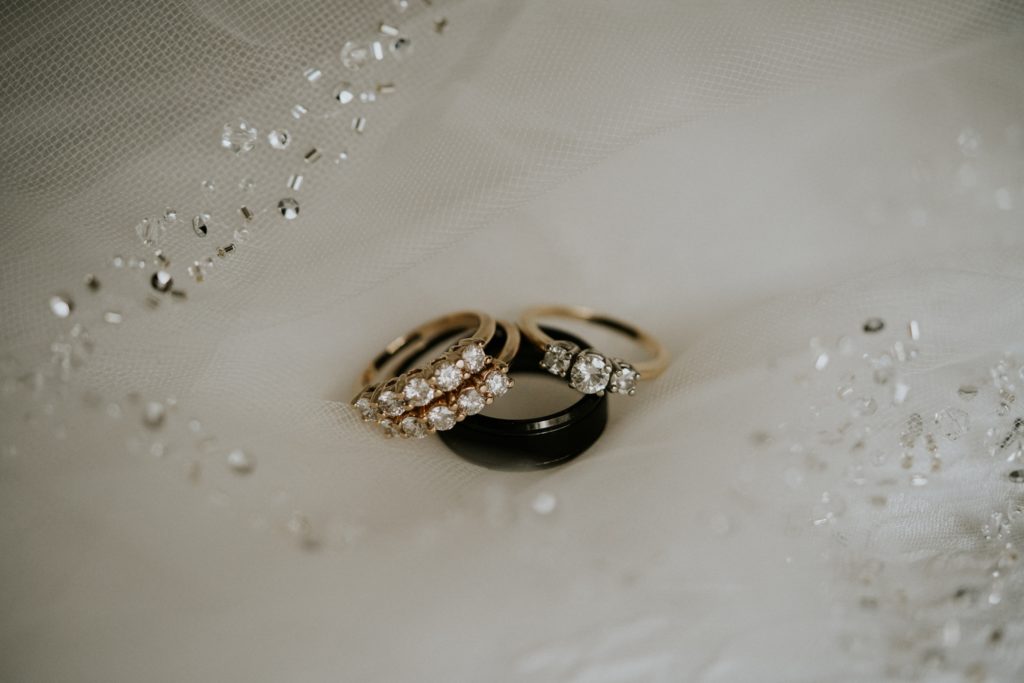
(359,124)
(312,75)
(312,156)
(557,359)
(61,305)
(289,208)
(418,391)
(365,408)
(170,215)
(447,377)
(241,462)
(590,373)
(473,357)
(471,401)
(279,139)
(199,224)
(238,137)
(247,213)
(497,383)
(872,325)
(161,281)
(391,403)
(295,182)
(298,111)
(354,55)
(387,29)
(623,380)
(344,93)
(441,418)
(414,427)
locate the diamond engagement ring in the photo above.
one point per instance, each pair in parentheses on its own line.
(587,370)
(460,382)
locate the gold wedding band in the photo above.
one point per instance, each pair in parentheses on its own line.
(434,397)
(589,371)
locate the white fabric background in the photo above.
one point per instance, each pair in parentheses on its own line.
(739,178)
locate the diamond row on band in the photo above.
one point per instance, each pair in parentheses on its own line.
(460,383)
(588,371)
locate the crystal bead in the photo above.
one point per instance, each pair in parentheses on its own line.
(344,93)
(150,232)
(313,75)
(61,305)
(590,373)
(238,137)
(161,281)
(953,423)
(241,462)
(289,208)
(471,401)
(441,418)
(279,139)
(355,55)
(967,392)
(200,224)
(154,414)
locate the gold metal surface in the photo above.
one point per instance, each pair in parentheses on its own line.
(480,326)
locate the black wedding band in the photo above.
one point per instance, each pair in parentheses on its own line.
(531,443)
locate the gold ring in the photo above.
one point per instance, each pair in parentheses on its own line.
(434,397)
(589,371)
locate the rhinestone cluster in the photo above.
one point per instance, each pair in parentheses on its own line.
(462,382)
(588,371)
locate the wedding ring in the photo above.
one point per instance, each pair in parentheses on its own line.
(434,397)
(531,442)
(589,371)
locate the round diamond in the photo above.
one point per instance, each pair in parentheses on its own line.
(471,401)
(557,359)
(590,373)
(447,377)
(365,408)
(418,391)
(414,427)
(441,418)
(473,356)
(391,403)
(497,383)
(623,380)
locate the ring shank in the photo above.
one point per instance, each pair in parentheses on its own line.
(648,369)
(426,335)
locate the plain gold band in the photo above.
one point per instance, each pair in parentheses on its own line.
(648,369)
(420,338)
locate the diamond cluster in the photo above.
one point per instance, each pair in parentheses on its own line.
(589,371)
(462,382)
